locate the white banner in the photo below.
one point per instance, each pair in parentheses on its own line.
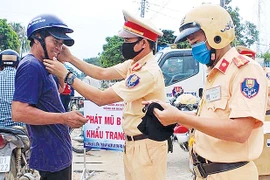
(103,129)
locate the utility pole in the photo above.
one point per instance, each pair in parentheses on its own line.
(142,8)
(259,26)
(222,3)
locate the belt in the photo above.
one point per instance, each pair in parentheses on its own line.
(203,169)
(136,138)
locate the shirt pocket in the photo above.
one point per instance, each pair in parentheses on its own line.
(219,107)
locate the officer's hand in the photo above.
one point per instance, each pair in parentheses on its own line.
(166,116)
(55,67)
(65,54)
(74,119)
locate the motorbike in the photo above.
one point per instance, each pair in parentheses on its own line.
(14,154)
(181,135)
(76,134)
(76,103)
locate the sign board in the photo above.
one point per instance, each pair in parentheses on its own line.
(103,129)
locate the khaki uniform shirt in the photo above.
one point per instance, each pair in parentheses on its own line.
(236,87)
(143,81)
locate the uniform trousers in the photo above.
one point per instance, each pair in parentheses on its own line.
(145,160)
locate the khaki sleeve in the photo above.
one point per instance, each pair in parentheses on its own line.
(128,92)
(122,68)
(249,93)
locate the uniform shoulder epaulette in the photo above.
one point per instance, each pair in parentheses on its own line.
(240,61)
(137,67)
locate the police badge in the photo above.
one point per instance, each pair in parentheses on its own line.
(132,81)
(250,87)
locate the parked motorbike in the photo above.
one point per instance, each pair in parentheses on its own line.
(14,154)
(184,102)
(76,134)
(181,136)
(76,103)
(77,138)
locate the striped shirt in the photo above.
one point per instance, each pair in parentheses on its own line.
(7,77)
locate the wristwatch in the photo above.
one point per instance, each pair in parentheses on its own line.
(65,80)
(70,79)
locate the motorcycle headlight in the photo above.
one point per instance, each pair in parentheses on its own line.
(2,142)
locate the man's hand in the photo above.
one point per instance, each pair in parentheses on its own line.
(74,119)
(56,67)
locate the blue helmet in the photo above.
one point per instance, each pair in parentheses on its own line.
(9,57)
(53,25)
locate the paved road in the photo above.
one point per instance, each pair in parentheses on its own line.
(108,165)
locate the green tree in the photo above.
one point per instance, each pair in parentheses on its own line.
(266,56)
(111,54)
(8,37)
(245,32)
(93,60)
(168,39)
(20,30)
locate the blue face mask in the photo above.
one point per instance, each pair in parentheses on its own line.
(201,53)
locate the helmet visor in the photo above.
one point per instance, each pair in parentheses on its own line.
(61,34)
(186,30)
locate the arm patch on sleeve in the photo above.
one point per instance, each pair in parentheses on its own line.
(132,81)
(249,87)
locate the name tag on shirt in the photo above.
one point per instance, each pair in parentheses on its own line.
(213,94)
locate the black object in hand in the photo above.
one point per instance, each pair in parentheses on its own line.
(151,126)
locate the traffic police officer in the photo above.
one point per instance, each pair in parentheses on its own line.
(229,121)
(144,159)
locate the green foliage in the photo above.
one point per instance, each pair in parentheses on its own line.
(8,37)
(246,33)
(168,39)
(20,30)
(266,56)
(183,45)
(111,54)
(250,34)
(93,60)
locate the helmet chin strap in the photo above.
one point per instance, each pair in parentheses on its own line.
(43,44)
(212,57)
